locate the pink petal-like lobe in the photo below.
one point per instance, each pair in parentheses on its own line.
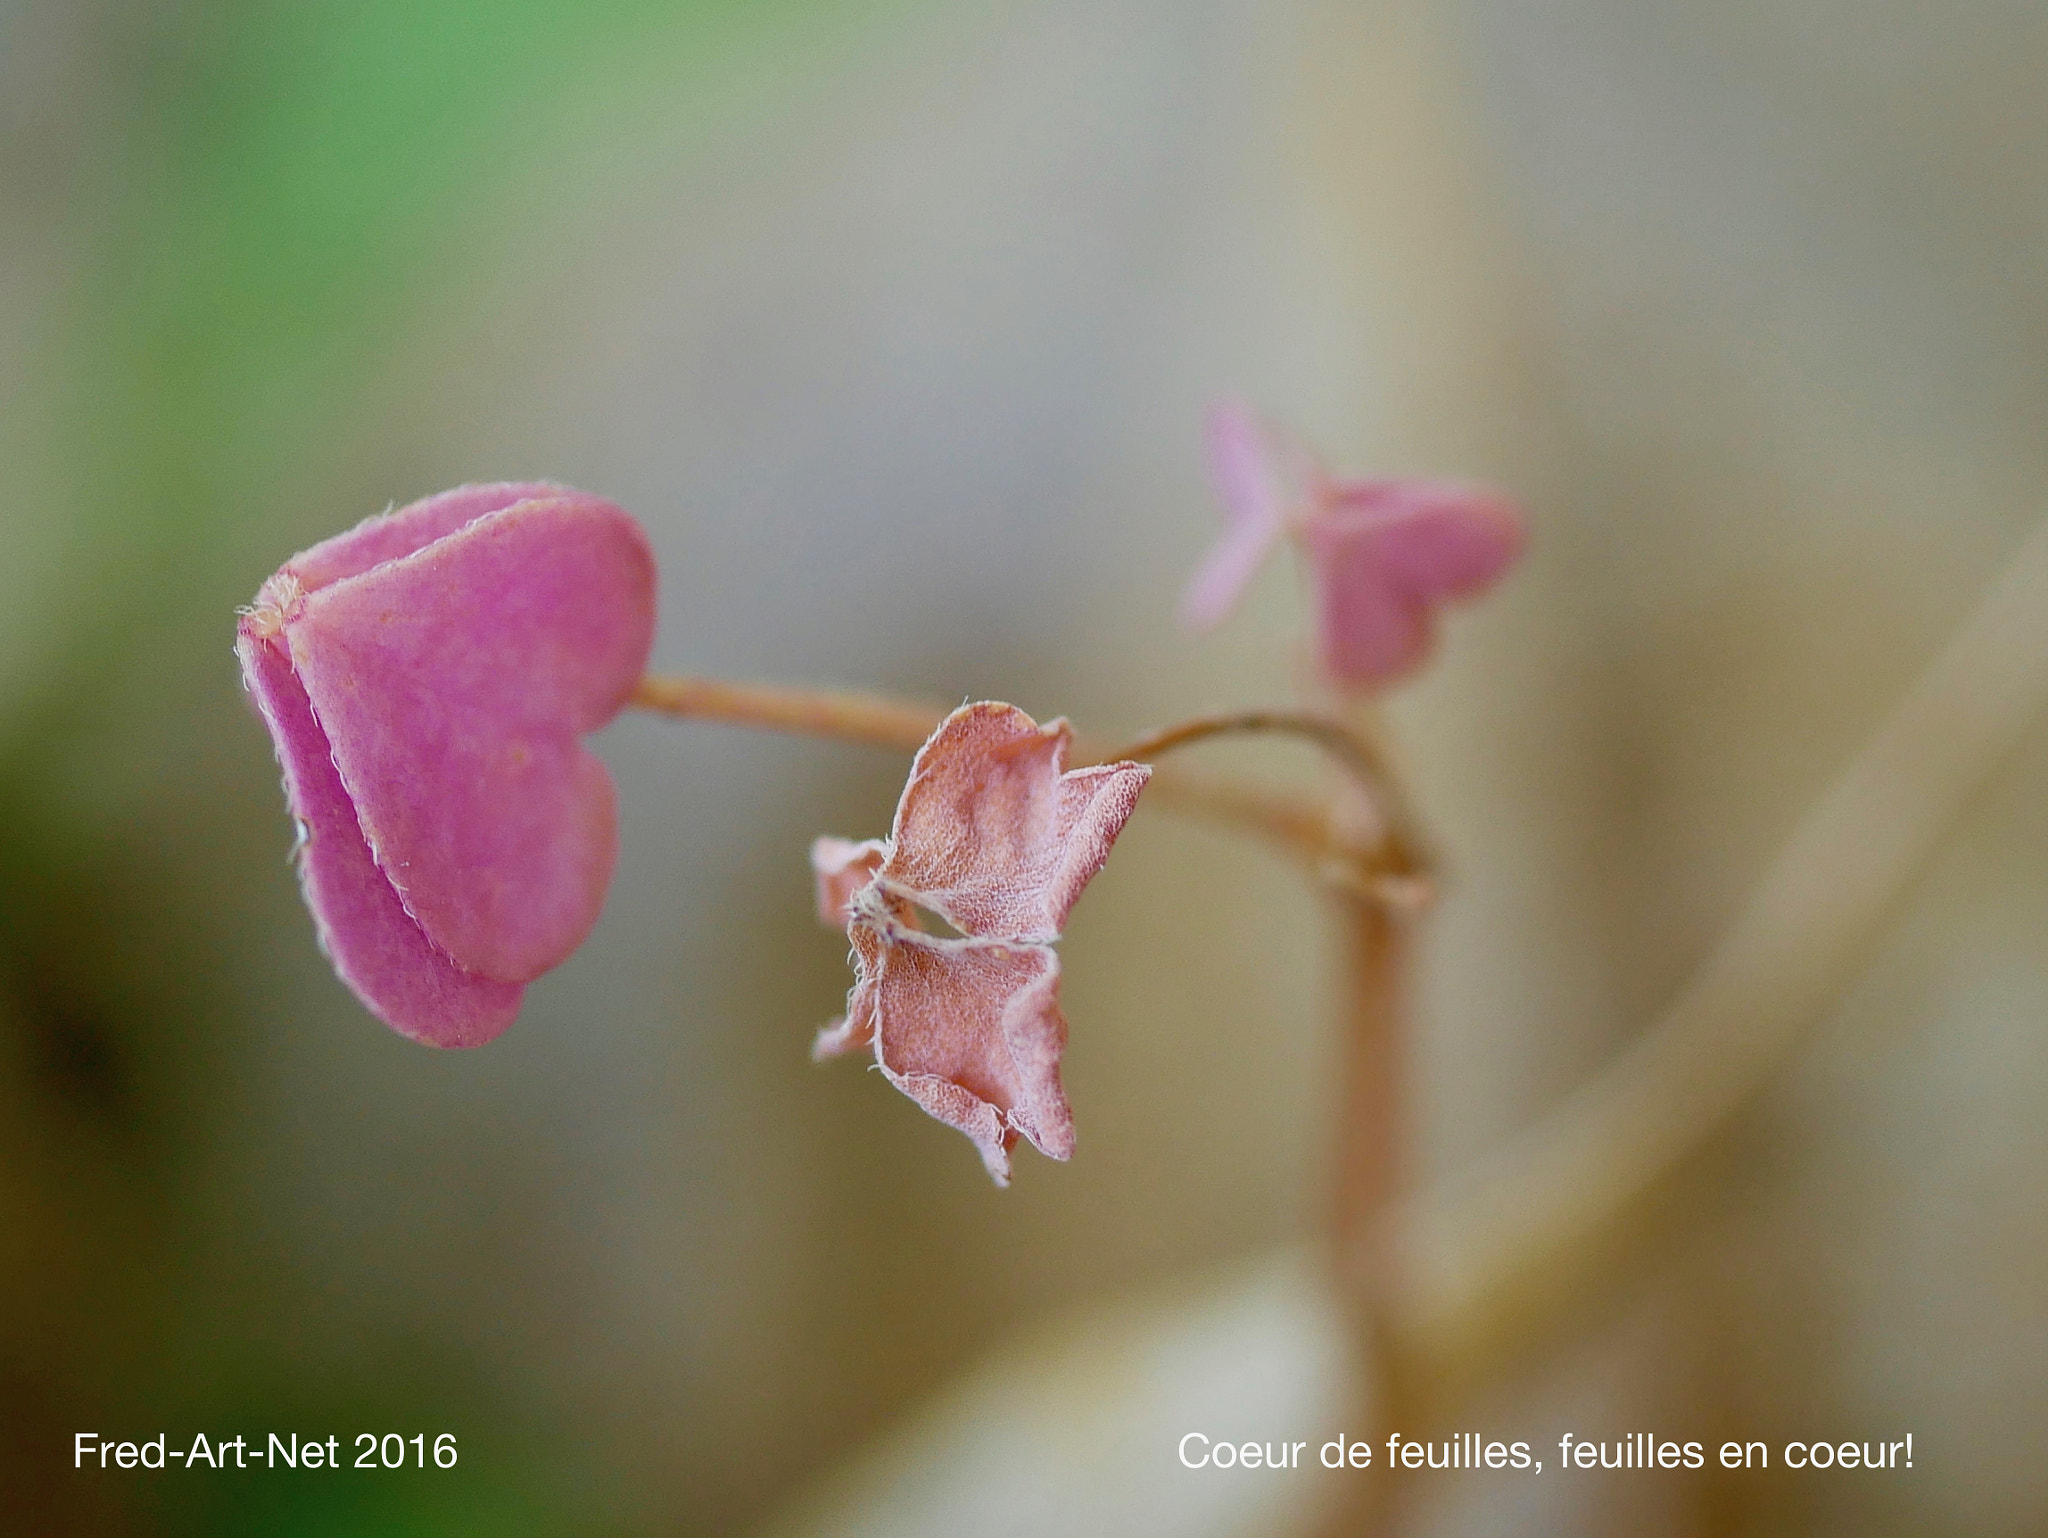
(1386,554)
(388,536)
(843,870)
(972,1031)
(454,684)
(997,837)
(995,834)
(427,677)
(1383,555)
(374,944)
(1441,539)
(1241,463)
(839,1037)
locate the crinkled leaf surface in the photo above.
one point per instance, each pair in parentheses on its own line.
(995,835)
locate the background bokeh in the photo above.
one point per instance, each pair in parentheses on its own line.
(893,321)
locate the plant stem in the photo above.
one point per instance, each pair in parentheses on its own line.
(1407,851)
(1372,862)
(847,716)
(1372,1128)
(1373,1125)
(1386,859)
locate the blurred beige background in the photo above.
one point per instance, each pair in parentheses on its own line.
(894,324)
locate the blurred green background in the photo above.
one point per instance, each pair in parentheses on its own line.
(893,322)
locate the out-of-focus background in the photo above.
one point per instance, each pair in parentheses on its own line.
(893,321)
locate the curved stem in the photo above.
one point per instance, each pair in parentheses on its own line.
(1373,1130)
(1313,830)
(847,716)
(1400,830)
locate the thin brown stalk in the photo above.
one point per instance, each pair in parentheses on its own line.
(1357,754)
(841,714)
(1373,1127)
(1380,856)
(1373,1134)
(1311,829)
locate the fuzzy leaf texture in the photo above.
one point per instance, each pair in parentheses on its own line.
(997,837)
(427,679)
(1383,555)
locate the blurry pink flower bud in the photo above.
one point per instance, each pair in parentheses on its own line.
(427,678)
(997,837)
(1383,555)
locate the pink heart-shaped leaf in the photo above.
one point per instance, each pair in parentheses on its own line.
(1384,555)
(995,833)
(450,657)
(998,837)
(1387,554)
